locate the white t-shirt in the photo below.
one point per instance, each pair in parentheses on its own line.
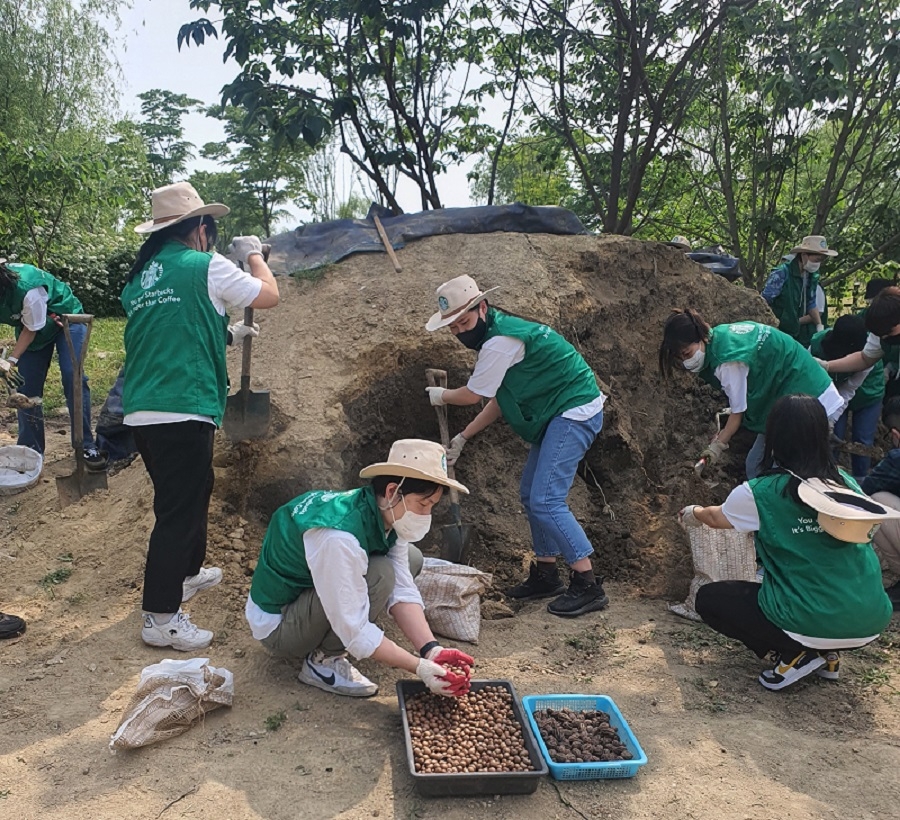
(497,355)
(229,289)
(34,309)
(338,565)
(742,513)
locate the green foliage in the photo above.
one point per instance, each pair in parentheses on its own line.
(167,150)
(275,721)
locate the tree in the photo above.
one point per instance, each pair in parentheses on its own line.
(167,151)
(392,80)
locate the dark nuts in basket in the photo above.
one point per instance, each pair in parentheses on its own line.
(580,737)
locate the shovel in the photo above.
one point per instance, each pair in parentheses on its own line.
(247,412)
(456,537)
(74,487)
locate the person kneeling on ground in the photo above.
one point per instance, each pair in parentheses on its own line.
(331,562)
(821,591)
(883,484)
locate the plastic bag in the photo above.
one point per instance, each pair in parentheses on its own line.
(718,555)
(171,696)
(451,594)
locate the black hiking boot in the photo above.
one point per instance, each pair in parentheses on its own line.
(543,581)
(585,594)
(11,626)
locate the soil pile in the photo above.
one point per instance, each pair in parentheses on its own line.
(345,357)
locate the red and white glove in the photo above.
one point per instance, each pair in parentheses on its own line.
(442,681)
(452,657)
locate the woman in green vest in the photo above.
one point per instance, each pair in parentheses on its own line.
(862,391)
(331,562)
(753,364)
(176,301)
(29,299)
(821,592)
(544,389)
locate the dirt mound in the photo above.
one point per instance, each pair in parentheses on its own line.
(345,357)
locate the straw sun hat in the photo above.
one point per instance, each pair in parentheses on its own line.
(844,514)
(814,244)
(415,458)
(680,242)
(172,204)
(455,298)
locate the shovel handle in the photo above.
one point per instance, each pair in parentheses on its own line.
(245,351)
(65,320)
(438,378)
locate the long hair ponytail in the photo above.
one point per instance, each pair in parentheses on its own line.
(180,231)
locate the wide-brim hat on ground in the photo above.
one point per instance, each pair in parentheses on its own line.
(814,244)
(415,458)
(455,298)
(844,514)
(172,204)
(679,242)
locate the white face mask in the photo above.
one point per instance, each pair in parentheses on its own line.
(412,527)
(695,362)
(812,267)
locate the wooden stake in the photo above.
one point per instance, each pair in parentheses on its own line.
(387,243)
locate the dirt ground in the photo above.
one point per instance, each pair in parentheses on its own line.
(344,358)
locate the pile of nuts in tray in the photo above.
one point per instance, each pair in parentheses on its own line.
(580,737)
(477,732)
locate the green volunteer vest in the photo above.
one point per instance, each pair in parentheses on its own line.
(60,299)
(814,585)
(174,338)
(791,303)
(778,366)
(552,378)
(282,573)
(869,392)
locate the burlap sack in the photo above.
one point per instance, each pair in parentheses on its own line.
(718,555)
(451,594)
(172,695)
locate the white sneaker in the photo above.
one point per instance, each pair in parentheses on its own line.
(179,633)
(206,578)
(337,675)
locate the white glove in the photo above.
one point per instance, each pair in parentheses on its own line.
(239,330)
(432,674)
(436,395)
(686,517)
(820,327)
(9,373)
(822,363)
(454,451)
(713,451)
(243,247)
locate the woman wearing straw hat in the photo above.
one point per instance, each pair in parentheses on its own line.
(548,394)
(176,300)
(29,299)
(821,592)
(791,288)
(331,562)
(753,364)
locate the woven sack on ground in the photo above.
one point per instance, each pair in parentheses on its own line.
(171,696)
(718,555)
(452,597)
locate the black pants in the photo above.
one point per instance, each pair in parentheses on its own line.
(179,459)
(732,608)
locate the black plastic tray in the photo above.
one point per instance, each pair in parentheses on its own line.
(466,784)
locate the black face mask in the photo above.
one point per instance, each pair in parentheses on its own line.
(891,340)
(472,338)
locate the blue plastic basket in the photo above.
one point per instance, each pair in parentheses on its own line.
(586,771)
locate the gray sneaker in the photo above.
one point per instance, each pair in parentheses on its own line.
(179,633)
(206,578)
(337,675)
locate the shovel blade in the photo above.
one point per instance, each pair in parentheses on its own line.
(247,415)
(72,488)
(456,540)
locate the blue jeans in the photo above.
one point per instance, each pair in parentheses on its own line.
(865,425)
(33,368)
(546,481)
(753,462)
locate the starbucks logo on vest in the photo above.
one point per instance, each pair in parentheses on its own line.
(151,275)
(741,328)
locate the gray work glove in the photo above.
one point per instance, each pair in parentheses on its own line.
(454,451)
(436,396)
(239,330)
(686,517)
(242,248)
(713,451)
(9,373)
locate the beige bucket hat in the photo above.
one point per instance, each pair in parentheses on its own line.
(814,244)
(172,204)
(844,514)
(415,458)
(679,242)
(455,298)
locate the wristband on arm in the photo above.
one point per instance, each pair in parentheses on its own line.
(423,652)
